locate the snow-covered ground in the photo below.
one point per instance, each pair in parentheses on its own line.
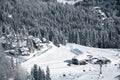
(58,58)
(71,2)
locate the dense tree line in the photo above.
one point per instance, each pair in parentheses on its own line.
(38,74)
(61,23)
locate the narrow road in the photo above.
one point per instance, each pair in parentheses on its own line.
(37,54)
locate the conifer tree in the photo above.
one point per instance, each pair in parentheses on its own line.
(48,73)
(35,72)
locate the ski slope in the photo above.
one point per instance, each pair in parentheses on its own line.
(58,58)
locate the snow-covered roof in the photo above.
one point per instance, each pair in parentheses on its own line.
(97,7)
(81,57)
(71,2)
(24,49)
(14,44)
(30,37)
(10,16)
(24,53)
(24,43)
(77,51)
(37,40)
(10,50)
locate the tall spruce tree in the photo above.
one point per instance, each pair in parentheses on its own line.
(48,73)
(35,72)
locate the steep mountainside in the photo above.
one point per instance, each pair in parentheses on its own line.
(60,23)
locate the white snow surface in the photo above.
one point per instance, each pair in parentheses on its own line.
(57,57)
(71,2)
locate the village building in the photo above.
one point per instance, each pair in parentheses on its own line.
(24,51)
(37,43)
(80,60)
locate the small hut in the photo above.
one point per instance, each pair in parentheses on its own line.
(24,51)
(80,60)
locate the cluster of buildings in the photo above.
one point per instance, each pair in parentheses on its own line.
(21,45)
(83,59)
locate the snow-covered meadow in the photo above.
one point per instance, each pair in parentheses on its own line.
(57,59)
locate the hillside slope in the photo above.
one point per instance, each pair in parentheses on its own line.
(57,59)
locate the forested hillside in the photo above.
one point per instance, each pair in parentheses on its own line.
(9,68)
(61,23)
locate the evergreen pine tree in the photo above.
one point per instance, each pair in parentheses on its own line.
(48,74)
(39,75)
(43,77)
(35,72)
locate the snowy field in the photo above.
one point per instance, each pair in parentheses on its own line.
(58,58)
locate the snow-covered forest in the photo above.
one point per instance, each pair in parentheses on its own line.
(81,23)
(59,39)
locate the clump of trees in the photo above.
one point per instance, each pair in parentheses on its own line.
(9,69)
(38,74)
(61,23)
